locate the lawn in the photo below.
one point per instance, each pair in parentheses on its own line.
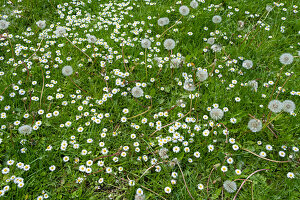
(149,99)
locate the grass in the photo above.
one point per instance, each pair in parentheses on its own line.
(90,81)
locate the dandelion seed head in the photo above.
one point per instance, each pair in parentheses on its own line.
(216,113)
(41,24)
(184,10)
(255,125)
(286,58)
(202,75)
(275,106)
(229,186)
(4,24)
(137,92)
(288,106)
(163,21)
(169,44)
(217,19)
(25,129)
(145,43)
(67,70)
(247,64)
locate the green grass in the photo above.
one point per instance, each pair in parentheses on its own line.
(89,79)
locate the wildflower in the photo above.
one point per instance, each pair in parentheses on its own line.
(163,21)
(146,43)
(216,113)
(184,10)
(25,129)
(229,186)
(41,24)
(224,169)
(255,125)
(139,192)
(168,190)
(290,175)
(248,64)
(286,58)
(288,106)
(60,31)
(169,44)
(263,154)
(4,24)
(200,186)
(137,92)
(238,171)
(275,106)
(202,75)
(5,170)
(52,168)
(131,182)
(210,147)
(216,19)
(67,70)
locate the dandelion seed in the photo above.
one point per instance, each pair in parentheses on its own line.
(255,125)
(229,186)
(275,106)
(286,58)
(67,70)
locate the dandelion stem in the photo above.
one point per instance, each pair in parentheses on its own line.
(153,192)
(140,113)
(208,180)
(42,88)
(124,58)
(276,161)
(150,168)
(169,28)
(185,181)
(79,49)
(77,85)
(246,180)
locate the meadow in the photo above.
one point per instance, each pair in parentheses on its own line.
(149,99)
